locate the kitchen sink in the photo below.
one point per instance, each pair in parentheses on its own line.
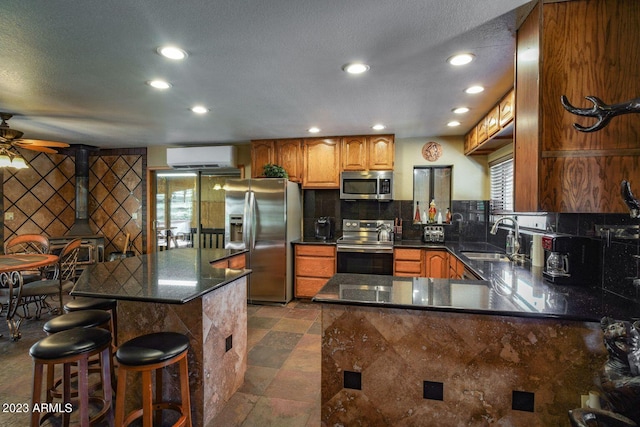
(486,256)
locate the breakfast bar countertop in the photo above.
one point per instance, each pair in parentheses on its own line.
(493,297)
(175,276)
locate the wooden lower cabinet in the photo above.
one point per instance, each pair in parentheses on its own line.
(436,263)
(314,265)
(456,267)
(408,262)
(236,261)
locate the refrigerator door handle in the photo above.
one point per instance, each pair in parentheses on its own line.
(253,219)
(246,226)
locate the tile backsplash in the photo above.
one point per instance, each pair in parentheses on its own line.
(618,257)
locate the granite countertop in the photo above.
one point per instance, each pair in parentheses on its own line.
(504,288)
(175,276)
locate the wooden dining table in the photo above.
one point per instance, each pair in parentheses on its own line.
(11,283)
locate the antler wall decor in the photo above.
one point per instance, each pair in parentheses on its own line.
(603,112)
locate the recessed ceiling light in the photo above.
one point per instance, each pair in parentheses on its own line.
(159,84)
(172,52)
(378,126)
(355,68)
(460,110)
(199,109)
(474,89)
(462,59)
(453,123)
(314,130)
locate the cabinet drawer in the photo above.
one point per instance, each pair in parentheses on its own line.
(237,261)
(315,267)
(316,250)
(221,264)
(308,287)
(412,267)
(408,254)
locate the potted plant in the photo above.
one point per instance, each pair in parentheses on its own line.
(274,171)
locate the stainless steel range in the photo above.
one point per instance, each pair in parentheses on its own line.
(366,247)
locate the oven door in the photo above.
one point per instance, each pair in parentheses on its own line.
(358,262)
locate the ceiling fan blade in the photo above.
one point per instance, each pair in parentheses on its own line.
(38,148)
(27,143)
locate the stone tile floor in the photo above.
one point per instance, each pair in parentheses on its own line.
(282,383)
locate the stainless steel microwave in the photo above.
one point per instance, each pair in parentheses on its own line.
(366,185)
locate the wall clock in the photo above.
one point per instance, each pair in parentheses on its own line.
(432,151)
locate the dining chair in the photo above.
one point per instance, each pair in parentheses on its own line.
(28,244)
(62,280)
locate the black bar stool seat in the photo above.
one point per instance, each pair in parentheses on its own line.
(146,354)
(78,319)
(67,348)
(86,303)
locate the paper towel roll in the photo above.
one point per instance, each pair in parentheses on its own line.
(537,253)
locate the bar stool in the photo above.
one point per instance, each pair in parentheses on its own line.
(67,348)
(145,354)
(79,319)
(86,303)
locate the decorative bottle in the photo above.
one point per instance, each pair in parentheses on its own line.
(432,211)
(447,217)
(416,217)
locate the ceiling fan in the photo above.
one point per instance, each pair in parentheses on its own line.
(12,138)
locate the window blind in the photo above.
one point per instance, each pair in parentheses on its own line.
(501,172)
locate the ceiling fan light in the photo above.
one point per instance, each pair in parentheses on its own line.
(19,163)
(4,160)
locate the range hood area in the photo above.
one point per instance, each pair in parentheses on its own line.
(219,156)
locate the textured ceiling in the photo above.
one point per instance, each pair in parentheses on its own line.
(75,71)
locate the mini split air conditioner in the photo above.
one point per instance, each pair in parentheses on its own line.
(219,156)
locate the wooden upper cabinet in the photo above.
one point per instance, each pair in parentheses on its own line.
(507,108)
(493,121)
(355,153)
(481,132)
(381,152)
(289,156)
(557,167)
(321,158)
(373,152)
(262,152)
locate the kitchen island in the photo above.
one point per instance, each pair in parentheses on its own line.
(449,352)
(180,291)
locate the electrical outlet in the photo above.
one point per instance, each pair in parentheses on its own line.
(8,216)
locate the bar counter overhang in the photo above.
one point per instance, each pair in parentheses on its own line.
(180,291)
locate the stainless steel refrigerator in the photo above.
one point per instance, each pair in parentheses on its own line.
(264,215)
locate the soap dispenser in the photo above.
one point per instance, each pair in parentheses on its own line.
(511,243)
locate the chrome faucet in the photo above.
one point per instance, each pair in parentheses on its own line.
(516,227)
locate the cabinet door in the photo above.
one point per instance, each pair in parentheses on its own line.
(355,156)
(436,264)
(321,163)
(456,267)
(289,156)
(506,109)
(381,152)
(262,152)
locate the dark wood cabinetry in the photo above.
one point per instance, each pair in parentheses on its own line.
(576,48)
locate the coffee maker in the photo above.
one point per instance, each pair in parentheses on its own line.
(570,260)
(324,228)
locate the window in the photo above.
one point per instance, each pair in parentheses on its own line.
(501,172)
